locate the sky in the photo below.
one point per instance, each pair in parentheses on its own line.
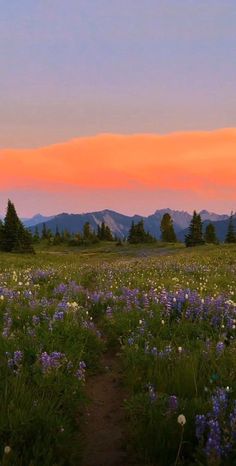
(112,80)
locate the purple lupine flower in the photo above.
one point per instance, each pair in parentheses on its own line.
(201,423)
(167,350)
(219,401)
(173,403)
(220,347)
(14,361)
(130,341)
(232,420)
(58,315)
(7,324)
(36,320)
(51,361)
(80,373)
(154,351)
(213,444)
(17,356)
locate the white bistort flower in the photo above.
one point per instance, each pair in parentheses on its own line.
(181,419)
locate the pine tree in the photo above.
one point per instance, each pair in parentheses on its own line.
(108,234)
(137,234)
(131,234)
(210,234)
(1,235)
(15,237)
(194,236)
(103,231)
(57,237)
(36,237)
(86,231)
(167,229)
(44,232)
(231,234)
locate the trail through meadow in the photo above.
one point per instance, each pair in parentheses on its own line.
(105,426)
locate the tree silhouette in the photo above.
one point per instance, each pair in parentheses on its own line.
(194,236)
(167,229)
(231,234)
(210,234)
(14,236)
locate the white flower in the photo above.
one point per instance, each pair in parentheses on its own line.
(7,450)
(180,349)
(162,322)
(181,419)
(186,296)
(2,297)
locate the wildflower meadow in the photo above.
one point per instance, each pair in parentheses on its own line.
(170,317)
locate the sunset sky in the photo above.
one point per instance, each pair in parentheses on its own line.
(128,105)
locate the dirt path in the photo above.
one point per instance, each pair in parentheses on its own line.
(105,438)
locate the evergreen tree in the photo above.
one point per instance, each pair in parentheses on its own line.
(137,234)
(86,231)
(210,234)
(231,234)
(36,237)
(103,231)
(98,232)
(131,233)
(194,236)
(108,234)
(1,235)
(57,237)
(44,232)
(66,235)
(167,229)
(15,237)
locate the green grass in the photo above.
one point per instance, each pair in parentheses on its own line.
(121,289)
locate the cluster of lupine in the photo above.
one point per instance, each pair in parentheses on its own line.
(47,339)
(14,361)
(216,430)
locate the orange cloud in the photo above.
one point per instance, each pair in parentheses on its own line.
(196,161)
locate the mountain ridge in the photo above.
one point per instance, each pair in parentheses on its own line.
(120,223)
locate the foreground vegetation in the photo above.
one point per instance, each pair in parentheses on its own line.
(172,314)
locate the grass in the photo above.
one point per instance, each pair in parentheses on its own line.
(171,311)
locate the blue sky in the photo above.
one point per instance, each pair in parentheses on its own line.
(71,68)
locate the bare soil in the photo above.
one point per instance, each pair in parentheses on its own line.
(105,423)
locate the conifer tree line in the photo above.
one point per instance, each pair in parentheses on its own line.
(195,235)
(86,237)
(14,237)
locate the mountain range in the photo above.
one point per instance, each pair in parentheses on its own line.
(120,224)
